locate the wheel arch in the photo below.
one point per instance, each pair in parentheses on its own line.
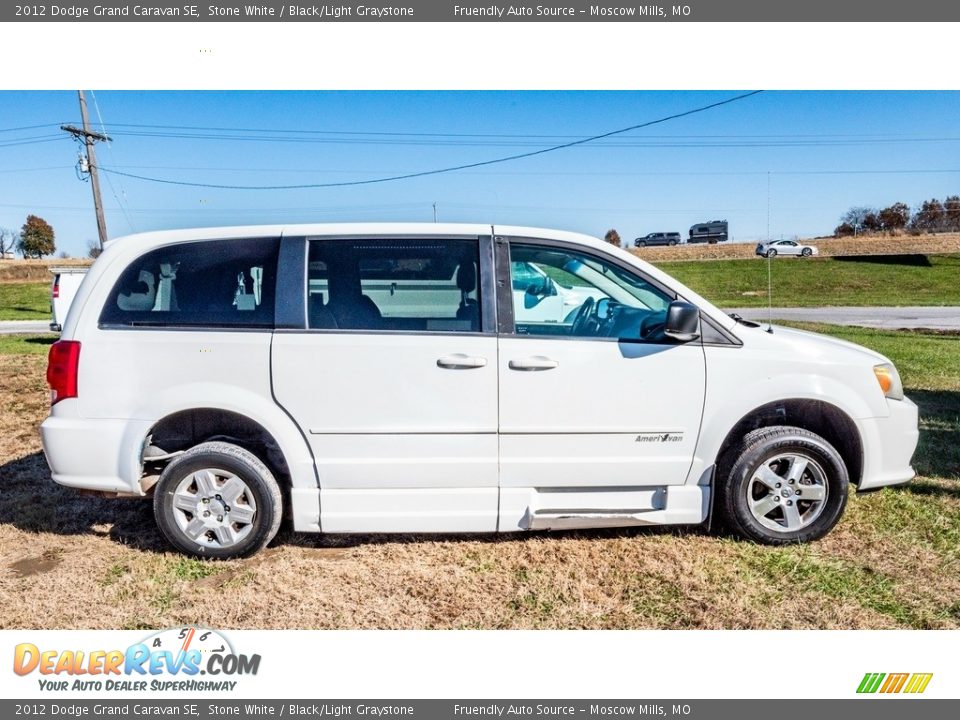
(276,440)
(818,416)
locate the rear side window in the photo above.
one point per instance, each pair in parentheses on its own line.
(414,285)
(216,283)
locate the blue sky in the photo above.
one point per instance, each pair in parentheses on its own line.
(824,152)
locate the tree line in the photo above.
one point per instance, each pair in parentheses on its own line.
(931,216)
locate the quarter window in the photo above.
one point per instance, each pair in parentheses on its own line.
(214,283)
(427,285)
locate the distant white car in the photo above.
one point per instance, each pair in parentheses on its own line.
(785,247)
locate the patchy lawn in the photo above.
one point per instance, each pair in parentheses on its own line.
(69,561)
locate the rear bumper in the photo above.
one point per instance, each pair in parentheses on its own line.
(889,444)
(102,455)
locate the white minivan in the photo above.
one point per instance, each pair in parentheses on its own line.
(390,378)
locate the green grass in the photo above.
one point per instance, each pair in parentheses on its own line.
(822,281)
(26,344)
(24,301)
(929,365)
(803,570)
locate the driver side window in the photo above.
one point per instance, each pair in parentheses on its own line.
(566,293)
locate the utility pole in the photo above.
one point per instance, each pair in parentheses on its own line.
(434,212)
(89,137)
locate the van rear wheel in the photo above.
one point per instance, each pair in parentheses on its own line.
(219,501)
(786,485)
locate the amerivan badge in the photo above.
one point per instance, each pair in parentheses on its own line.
(660,437)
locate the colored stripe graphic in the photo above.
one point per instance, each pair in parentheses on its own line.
(918,682)
(870,682)
(894,683)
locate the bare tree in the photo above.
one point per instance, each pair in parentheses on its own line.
(8,241)
(931,216)
(952,207)
(857,217)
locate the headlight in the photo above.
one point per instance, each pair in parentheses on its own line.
(889,380)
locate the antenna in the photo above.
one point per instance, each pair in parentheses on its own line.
(769,261)
(769,296)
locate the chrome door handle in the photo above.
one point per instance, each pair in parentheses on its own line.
(536,362)
(459,361)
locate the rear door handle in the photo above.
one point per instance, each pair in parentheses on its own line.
(459,361)
(536,362)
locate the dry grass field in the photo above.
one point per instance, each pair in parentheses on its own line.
(69,561)
(828,247)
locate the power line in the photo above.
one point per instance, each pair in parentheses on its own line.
(537,141)
(30,127)
(515,136)
(465,166)
(651,173)
(16,143)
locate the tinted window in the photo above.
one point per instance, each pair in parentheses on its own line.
(402,285)
(217,283)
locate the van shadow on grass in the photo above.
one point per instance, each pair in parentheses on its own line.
(938,452)
(32,502)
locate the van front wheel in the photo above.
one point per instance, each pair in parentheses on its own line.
(786,485)
(219,501)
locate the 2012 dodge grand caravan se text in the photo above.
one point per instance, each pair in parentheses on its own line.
(450,378)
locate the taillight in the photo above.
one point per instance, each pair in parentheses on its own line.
(56,287)
(62,365)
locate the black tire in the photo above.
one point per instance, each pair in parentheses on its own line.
(761,447)
(640,243)
(672,243)
(806,252)
(771,253)
(233,460)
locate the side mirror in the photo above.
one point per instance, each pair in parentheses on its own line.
(683,321)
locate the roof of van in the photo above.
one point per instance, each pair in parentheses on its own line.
(346,230)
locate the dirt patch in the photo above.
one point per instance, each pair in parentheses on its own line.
(35,565)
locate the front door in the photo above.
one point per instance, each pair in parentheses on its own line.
(598,408)
(394,382)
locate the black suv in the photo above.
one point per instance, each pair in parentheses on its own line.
(664,238)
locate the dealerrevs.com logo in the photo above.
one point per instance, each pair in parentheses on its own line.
(168,660)
(911,683)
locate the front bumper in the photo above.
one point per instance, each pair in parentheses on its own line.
(101,455)
(888,446)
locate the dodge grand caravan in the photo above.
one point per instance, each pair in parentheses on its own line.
(399,378)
